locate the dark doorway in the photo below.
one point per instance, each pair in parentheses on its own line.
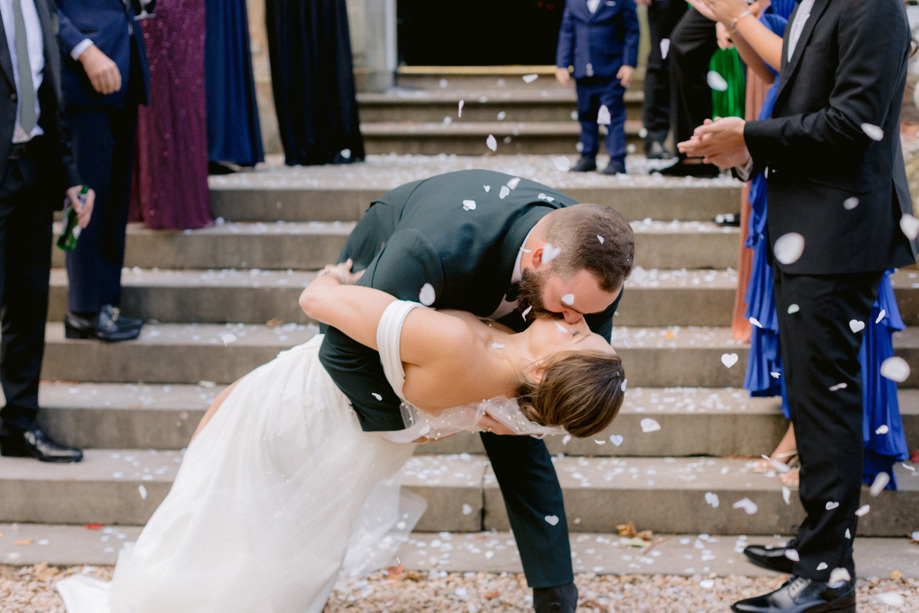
(478,32)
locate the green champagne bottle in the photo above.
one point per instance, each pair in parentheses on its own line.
(71,232)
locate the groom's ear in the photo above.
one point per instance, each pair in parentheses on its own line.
(536,257)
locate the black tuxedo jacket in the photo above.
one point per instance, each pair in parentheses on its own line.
(460,233)
(59,169)
(848,69)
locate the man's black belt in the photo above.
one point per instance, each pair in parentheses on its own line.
(21,150)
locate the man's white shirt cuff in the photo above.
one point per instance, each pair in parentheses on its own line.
(80,47)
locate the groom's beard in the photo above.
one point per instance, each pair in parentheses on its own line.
(529,295)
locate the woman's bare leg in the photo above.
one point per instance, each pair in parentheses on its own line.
(213,408)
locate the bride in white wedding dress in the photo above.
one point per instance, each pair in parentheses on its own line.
(266,502)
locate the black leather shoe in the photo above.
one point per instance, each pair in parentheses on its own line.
(770,557)
(801,595)
(683,169)
(36,444)
(656,151)
(584,164)
(109,325)
(615,167)
(557,599)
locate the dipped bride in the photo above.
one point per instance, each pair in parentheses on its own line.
(265,504)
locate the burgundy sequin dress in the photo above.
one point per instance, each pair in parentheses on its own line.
(170,174)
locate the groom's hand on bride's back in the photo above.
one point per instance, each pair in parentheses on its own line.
(490,424)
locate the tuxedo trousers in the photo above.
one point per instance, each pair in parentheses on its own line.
(103,142)
(820,342)
(25,265)
(663,15)
(692,44)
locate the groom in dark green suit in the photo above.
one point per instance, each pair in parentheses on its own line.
(508,249)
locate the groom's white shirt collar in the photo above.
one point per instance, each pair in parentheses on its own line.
(506,306)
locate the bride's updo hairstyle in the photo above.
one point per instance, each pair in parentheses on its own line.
(581,391)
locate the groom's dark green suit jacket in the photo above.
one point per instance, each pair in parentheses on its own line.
(460,233)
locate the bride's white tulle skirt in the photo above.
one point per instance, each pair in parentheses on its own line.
(264,506)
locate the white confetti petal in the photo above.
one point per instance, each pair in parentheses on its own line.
(228,339)
(665,48)
(786,494)
(754,321)
(848,534)
(856,326)
(891,599)
(491,142)
(838,575)
(566,439)
(882,429)
(707,584)
(487,188)
(568,299)
(529,78)
(561,163)
(143,492)
(895,369)
(838,386)
(502,115)
(616,439)
(505,190)
(497,346)
(880,317)
(873,131)
(850,203)
(822,566)
(788,248)
(729,359)
(712,499)
(880,482)
(863,510)
(377,396)
(624,385)
(426,296)
(459,110)
(910,226)
(513,182)
(793,308)
(552,520)
(467,510)
(603,116)
(831,505)
(716,81)
(550,252)
(793,555)
(346,153)
(526,312)
(469,205)
(649,425)
(601,239)
(749,507)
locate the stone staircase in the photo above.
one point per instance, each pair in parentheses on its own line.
(223,300)
(523,107)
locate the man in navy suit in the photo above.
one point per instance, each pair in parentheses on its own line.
(106,77)
(36,167)
(598,41)
(837,191)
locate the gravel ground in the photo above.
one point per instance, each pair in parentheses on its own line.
(30,589)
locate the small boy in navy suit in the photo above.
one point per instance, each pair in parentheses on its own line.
(598,43)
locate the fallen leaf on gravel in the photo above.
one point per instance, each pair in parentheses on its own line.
(22,542)
(274,322)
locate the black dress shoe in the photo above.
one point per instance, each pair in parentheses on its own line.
(801,595)
(584,164)
(615,167)
(683,169)
(109,325)
(36,444)
(772,558)
(557,599)
(656,151)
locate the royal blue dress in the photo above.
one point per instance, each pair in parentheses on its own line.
(764,366)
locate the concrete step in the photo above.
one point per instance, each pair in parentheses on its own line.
(469,138)
(170,353)
(599,553)
(695,421)
(311,245)
(659,494)
(443,106)
(275,192)
(490,78)
(188,353)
